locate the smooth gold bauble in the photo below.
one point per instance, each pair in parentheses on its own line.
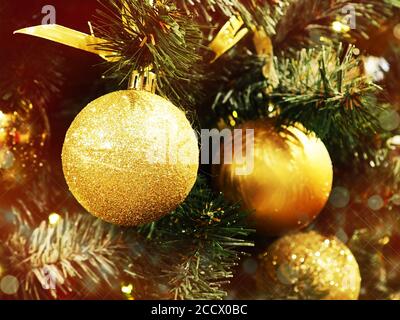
(130,157)
(309,266)
(289,177)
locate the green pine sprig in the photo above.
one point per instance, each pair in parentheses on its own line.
(326,90)
(161,36)
(77,255)
(202,240)
(309,22)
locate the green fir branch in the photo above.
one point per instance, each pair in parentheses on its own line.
(202,238)
(255,13)
(307,22)
(161,36)
(79,254)
(189,254)
(240,88)
(325,90)
(394,3)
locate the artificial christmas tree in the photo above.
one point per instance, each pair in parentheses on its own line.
(267,66)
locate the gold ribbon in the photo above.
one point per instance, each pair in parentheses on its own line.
(229,35)
(139,80)
(264,48)
(71,38)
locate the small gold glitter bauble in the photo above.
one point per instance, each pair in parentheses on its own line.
(130,157)
(309,266)
(287,180)
(24,132)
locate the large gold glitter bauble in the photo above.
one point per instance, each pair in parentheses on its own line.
(130,157)
(24,132)
(286,180)
(309,266)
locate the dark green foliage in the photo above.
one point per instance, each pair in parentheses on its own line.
(162,36)
(304,22)
(322,88)
(395,3)
(189,254)
(367,247)
(254,12)
(24,78)
(326,91)
(199,243)
(246,94)
(78,247)
(192,252)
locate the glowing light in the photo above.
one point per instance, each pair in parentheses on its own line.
(4,119)
(356,51)
(376,67)
(54,218)
(2,116)
(376,202)
(323,39)
(340,197)
(271,107)
(372,164)
(384,241)
(9,285)
(127,289)
(394,141)
(340,27)
(396,31)
(7,159)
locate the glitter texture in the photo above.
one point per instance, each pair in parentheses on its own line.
(290,182)
(130,157)
(309,266)
(24,133)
